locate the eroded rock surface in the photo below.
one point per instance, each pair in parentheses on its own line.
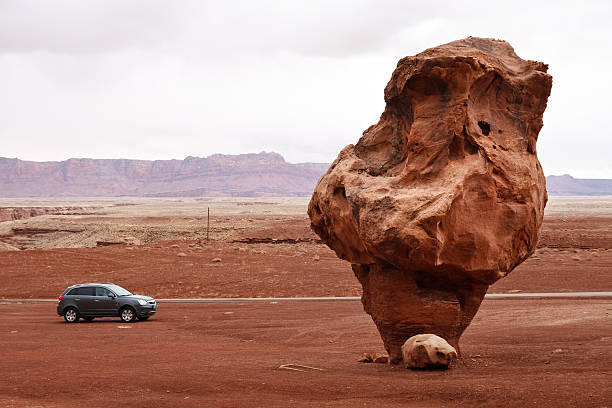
(445,194)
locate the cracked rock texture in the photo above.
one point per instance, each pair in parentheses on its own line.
(445,194)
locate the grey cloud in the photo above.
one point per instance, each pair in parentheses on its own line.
(309,27)
(234,27)
(76,27)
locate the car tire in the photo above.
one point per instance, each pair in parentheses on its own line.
(127,314)
(143,318)
(88,318)
(71,315)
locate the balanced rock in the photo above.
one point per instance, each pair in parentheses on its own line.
(427,351)
(445,194)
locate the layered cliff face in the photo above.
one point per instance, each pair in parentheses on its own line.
(21,213)
(217,175)
(445,194)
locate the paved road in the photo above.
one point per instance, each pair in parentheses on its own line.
(491,296)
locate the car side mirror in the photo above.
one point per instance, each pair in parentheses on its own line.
(110,295)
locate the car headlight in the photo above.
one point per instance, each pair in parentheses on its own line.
(142,302)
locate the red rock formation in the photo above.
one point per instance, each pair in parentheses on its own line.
(445,194)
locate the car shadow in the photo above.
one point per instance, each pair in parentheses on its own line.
(102,321)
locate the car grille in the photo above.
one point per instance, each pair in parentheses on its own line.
(151,302)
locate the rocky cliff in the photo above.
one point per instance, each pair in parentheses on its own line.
(262,174)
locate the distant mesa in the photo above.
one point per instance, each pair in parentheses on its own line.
(567,185)
(245,175)
(219,175)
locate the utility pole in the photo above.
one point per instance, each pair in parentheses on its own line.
(208,226)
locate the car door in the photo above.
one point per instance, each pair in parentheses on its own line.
(104,302)
(84,299)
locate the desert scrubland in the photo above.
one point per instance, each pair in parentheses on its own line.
(266,247)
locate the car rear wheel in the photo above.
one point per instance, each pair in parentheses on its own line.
(127,314)
(71,315)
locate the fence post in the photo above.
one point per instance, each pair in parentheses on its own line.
(208,226)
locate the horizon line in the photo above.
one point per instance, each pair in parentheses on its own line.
(263,152)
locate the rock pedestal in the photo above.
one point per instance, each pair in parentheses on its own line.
(401,307)
(445,194)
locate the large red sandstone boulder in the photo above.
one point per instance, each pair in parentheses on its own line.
(445,194)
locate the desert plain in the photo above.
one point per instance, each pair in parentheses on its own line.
(517,352)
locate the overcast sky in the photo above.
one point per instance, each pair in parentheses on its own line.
(169,79)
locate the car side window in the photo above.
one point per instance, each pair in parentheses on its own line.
(89,291)
(102,292)
(83,291)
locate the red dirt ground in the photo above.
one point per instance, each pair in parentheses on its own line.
(257,270)
(575,254)
(544,353)
(518,353)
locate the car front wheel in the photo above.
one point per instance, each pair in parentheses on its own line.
(71,315)
(127,315)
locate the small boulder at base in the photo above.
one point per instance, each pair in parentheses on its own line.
(365,358)
(380,358)
(427,351)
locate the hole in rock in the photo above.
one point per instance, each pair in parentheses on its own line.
(340,190)
(484,127)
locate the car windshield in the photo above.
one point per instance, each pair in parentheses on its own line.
(119,291)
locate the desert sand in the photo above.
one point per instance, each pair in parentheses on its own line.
(550,353)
